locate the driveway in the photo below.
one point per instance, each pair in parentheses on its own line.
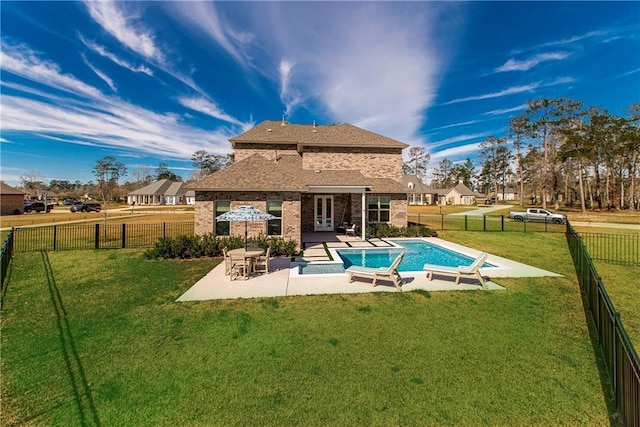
(481,210)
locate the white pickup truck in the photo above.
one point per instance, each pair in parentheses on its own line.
(538,215)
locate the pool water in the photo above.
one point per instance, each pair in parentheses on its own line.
(417,254)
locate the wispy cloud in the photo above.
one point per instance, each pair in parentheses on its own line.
(21,61)
(513,90)
(100,74)
(456,139)
(454,125)
(566,42)
(209,108)
(102,51)
(456,152)
(112,17)
(96,119)
(526,64)
(509,91)
(381,76)
(505,110)
(203,18)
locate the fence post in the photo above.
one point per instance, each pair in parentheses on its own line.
(124,233)
(164,230)
(55,233)
(501,222)
(442,226)
(465,223)
(484,223)
(97,237)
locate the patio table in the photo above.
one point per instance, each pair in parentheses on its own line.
(251,253)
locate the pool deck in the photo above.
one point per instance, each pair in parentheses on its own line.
(284,280)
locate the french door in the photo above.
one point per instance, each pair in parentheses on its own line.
(323,211)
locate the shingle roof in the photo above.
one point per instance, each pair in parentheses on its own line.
(340,135)
(162,186)
(7,189)
(463,190)
(418,185)
(257,173)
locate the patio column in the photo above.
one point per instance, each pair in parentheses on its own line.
(364,213)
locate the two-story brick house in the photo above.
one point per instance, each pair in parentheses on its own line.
(312,178)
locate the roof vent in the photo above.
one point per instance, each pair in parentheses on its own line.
(269,130)
(317,171)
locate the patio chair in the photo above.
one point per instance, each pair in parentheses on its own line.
(461,271)
(227,262)
(239,266)
(351,230)
(263,261)
(384,273)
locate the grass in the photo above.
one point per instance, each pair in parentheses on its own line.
(61,214)
(623,286)
(95,337)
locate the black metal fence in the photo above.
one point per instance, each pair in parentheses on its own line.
(623,249)
(96,236)
(456,222)
(5,258)
(621,359)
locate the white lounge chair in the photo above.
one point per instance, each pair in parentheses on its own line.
(385,273)
(461,271)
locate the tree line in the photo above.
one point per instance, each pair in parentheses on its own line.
(556,151)
(109,173)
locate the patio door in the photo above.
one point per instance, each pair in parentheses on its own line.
(323,213)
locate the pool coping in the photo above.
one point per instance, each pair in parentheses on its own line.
(503,267)
(283,280)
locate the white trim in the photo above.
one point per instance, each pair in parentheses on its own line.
(323,214)
(338,188)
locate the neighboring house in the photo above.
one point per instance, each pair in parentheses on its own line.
(312,178)
(458,195)
(417,192)
(11,200)
(162,192)
(507,194)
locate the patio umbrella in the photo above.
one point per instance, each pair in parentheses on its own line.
(246,214)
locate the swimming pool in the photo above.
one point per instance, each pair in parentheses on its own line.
(417,253)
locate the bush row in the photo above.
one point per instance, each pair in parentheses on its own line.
(385,230)
(210,245)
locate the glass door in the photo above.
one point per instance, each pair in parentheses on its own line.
(323,213)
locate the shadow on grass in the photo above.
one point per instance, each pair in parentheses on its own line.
(81,391)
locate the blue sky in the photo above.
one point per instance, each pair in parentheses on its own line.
(153,82)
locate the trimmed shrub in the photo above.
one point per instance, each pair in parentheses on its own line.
(210,245)
(384,230)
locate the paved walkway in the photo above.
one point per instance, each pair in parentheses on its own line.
(284,280)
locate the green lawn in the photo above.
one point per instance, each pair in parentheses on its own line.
(94,337)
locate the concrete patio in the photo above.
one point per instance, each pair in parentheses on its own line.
(284,280)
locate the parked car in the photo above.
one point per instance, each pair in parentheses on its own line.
(538,215)
(86,207)
(70,202)
(33,206)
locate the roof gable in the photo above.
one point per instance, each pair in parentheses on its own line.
(6,189)
(162,186)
